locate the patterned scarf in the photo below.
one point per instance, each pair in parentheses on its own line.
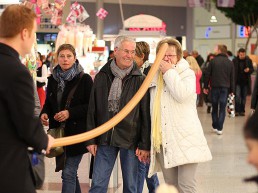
(156,115)
(116,87)
(62,76)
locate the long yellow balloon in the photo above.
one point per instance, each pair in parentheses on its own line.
(122,114)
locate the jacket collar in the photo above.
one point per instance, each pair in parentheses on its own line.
(7,50)
(221,54)
(135,71)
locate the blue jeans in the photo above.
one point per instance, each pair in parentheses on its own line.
(219,97)
(152,182)
(241,93)
(69,175)
(103,166)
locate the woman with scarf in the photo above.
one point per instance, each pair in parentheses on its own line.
(65,76)
(177,140)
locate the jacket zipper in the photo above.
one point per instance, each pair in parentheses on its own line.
(111,140)
(113,115)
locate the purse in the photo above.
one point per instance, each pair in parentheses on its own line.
(56,133)
(59,131)
(37,168)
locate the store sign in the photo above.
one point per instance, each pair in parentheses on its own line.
(243,31)
(212,32)
(162,28)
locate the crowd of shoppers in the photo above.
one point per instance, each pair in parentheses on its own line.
(153,137)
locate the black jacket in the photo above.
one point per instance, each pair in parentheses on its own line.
(134,130)
(247,64)
(19,127)
(76,123)
(220,73)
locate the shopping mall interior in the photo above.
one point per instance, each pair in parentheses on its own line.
(152,21)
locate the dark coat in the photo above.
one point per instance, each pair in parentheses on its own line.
(199,60)
(220,73)
(19,127)
(248,64)
(76,123)
(134,130)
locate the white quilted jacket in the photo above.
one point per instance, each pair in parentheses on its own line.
(183,140)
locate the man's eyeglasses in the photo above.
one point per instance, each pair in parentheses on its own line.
(132,52)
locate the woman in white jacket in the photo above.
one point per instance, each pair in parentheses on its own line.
(177,140)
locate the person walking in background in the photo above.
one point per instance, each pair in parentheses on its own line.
(41,79)
(198,74)
(114,86)
(230,55)
(66,75)
(243,69)
(20,128)
(200,61)
(185,54)
(141,57)
(198,57)
(207,97)
(110,55)
(220,75)
(177,145)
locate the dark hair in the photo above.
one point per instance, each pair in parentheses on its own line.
(208,57)
(142,48)
(66,47)
(242,50)
(229,53)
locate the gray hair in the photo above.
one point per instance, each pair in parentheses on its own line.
(120,39)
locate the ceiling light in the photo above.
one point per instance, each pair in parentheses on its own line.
(213,19)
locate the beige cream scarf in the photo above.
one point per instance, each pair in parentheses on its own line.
(156,115)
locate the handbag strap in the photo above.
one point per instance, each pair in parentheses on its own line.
(70,96)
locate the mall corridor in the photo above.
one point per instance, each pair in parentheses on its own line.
(224,174)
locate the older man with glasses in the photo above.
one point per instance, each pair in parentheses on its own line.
(114,86)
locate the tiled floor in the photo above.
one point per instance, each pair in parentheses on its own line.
(224,174)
